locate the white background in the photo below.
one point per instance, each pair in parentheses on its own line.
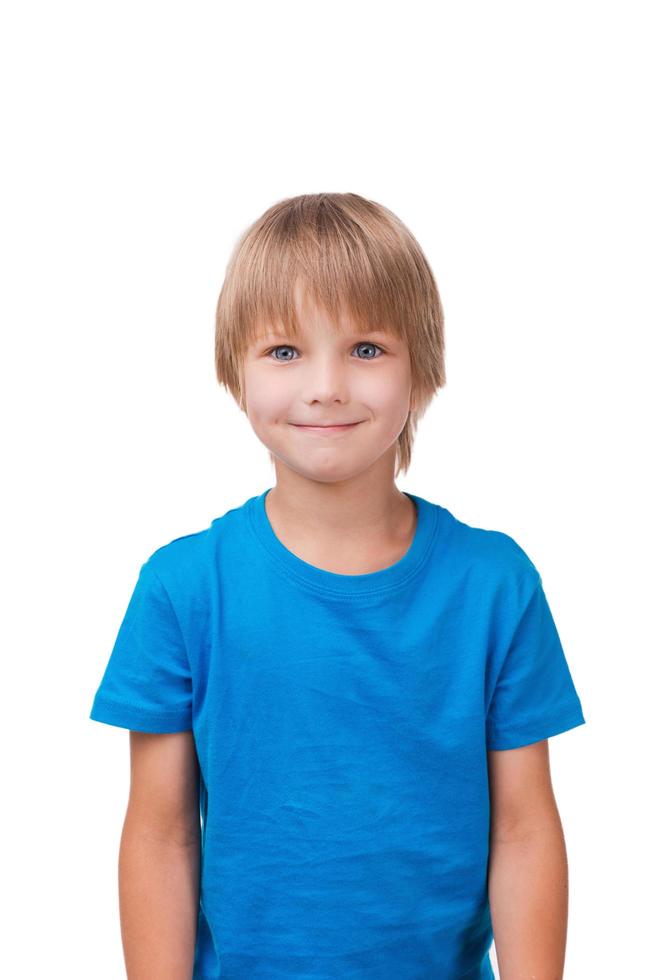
(140,139)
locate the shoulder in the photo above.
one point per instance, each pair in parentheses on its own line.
(182,555)
(186,564)
(485,551)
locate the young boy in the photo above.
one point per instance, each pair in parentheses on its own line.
(339,694)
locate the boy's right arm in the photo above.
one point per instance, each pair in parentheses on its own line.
(159,858)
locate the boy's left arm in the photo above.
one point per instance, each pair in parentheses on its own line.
(528,869)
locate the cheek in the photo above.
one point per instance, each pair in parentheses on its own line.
(388,390)
(267,400)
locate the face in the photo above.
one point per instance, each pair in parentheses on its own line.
(296,391)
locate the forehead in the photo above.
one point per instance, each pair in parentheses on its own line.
(306,318)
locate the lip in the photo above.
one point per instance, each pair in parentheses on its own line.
(326,429)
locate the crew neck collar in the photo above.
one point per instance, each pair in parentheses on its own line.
(399,573)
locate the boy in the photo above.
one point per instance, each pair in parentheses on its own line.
(339,695)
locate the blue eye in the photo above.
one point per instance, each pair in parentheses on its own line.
(282,347)
(364,343)
(367,343)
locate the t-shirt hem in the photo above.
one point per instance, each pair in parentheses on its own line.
(139,719)
(517,736)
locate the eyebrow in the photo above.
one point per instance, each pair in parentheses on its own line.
(377,331)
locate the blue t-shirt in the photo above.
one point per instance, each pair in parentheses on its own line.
(341,724)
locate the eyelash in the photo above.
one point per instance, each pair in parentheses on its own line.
(362,343)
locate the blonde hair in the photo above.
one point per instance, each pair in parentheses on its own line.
(350,254)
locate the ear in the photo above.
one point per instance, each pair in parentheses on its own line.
(416,399)
(241,384)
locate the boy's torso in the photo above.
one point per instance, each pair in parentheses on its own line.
(340,729)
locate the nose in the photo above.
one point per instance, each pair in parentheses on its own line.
(326,380)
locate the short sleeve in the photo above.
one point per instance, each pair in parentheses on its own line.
(147,681)
(534,696)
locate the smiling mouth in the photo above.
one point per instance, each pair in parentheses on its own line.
(326,428)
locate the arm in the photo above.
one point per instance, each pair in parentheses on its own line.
(528,871)
(159,858)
